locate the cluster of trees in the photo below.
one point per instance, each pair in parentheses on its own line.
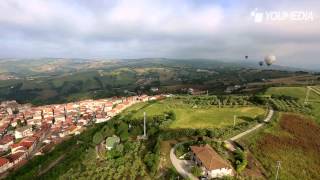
(128,129)
(240,160)
(216,100)
(154,124)
(128,165)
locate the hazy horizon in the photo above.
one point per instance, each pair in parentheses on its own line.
(180,29)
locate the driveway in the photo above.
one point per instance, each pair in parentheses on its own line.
(182,166)
(229,143)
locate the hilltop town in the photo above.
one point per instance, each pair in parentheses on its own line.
(27,131)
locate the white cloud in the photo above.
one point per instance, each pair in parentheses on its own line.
(158,28)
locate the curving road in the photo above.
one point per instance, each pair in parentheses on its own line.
(229,143)
(182,166)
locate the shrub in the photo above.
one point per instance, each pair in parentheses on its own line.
(240,160)
(196,171)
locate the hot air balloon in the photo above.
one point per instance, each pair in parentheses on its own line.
(270,59)
(261,63)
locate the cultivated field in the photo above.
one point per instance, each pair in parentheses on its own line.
(197,117)
(295,141)
(297,92)
(300,93)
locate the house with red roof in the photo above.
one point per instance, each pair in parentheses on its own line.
(108,106)
(18,157)
(26,145)
(5,142)
(212,164)
(5,164)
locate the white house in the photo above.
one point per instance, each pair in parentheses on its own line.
(212,164)
(23,132)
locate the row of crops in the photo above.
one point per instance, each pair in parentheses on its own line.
(289,106)
(217,100)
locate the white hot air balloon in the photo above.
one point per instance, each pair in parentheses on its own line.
(270,59)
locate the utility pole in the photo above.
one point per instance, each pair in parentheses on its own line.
(278,168)
(234,120)
(307,95)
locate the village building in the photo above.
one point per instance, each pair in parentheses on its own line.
(23,132)
(212,164)
(5,164)
(5,142)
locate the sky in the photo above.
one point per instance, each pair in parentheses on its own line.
(212,29)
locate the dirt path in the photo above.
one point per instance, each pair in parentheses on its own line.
(230,142)
(51,165)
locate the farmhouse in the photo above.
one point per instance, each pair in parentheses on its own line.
(211,163)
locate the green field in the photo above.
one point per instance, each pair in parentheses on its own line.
(200,117)
(297,92)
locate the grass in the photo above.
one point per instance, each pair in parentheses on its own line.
(299,92)
(201,117)
(293,140)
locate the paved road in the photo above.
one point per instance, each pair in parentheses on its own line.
(229,143)
(182,166)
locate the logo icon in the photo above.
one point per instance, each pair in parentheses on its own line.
(257,16)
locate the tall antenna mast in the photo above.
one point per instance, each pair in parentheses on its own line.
(144,125)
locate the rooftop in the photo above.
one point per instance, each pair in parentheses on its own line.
(210,159)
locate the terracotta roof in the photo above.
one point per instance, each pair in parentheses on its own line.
(15,156)
(6,139)
(3,161)
(210,158)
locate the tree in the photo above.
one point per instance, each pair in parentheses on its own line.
(97,138)
(124,135)
(196,171)
(122,127)
(19,123)
(107,131)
